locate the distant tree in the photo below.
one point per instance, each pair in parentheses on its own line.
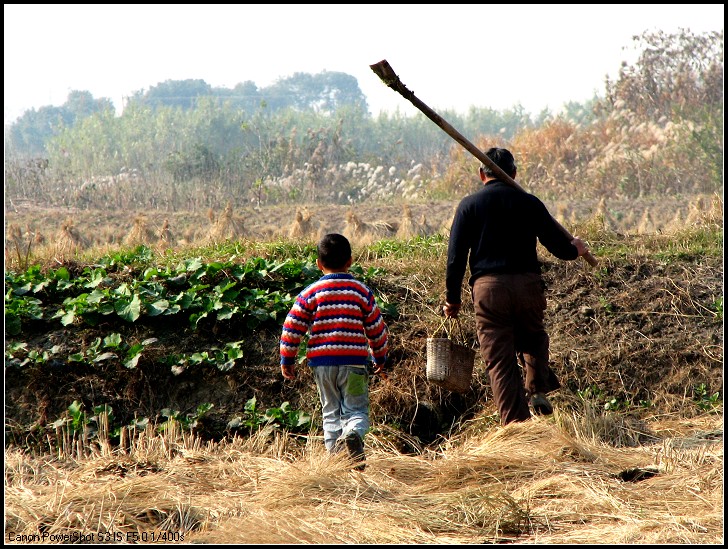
(200,162)
(29,135)
(489,122)
(581,113)
(81,104)
(677,84)
(676,74)
(175,93)
(323,93)
(244,96)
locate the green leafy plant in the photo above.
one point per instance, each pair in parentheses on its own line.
(110,347)
(13,347)
(19,307)
(717,307)
(18,353)
(187,421)
(704,399)
(76,420)
(606,305)
(224,359)
(591,392)
(282,416)
(615,404)
(288,418)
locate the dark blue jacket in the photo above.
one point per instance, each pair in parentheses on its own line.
(498,227)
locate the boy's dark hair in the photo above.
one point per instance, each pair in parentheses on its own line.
(501,158)
(334,251)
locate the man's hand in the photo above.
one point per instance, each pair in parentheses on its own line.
(451,309)
(288,371)
(580,246)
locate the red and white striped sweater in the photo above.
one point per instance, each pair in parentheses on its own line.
(344,320)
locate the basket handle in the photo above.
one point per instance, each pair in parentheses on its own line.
(449,325)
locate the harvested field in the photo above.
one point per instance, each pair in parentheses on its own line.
(632,454)
(363,223)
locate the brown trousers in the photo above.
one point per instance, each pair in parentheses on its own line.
(509,313)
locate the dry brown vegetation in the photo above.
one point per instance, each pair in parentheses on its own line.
(102,229)
(547,481)
(632,454)
(440,468)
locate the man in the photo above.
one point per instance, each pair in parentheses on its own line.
(498,228)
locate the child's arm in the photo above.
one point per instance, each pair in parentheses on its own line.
(295,327)
(377,334)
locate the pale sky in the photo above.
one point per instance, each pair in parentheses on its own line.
(452,56)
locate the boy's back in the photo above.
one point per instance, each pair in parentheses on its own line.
(344,321)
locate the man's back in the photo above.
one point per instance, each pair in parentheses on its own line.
(498,227)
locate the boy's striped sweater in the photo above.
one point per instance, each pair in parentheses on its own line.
(344,320)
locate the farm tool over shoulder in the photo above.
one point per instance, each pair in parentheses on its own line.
(385,72)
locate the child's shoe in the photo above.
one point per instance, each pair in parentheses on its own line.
(355,446)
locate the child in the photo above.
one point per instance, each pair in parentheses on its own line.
(345,324)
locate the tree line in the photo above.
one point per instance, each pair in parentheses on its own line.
(185,144)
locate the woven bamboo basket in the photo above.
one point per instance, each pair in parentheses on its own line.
(449,363)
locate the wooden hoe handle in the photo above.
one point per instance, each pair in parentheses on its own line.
(385,72)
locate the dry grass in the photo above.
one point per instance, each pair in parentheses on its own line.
(408,227)
(548,481)
(365,232)
(303,227)
(166,238)
(226,227)
(69,240)
(141,233)
(664,216)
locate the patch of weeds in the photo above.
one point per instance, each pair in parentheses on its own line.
(706,401)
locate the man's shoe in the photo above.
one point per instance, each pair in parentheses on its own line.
(355,446)
(541,404)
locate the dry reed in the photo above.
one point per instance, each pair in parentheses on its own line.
(541,481)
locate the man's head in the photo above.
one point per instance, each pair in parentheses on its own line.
(501,158)
(334,252)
